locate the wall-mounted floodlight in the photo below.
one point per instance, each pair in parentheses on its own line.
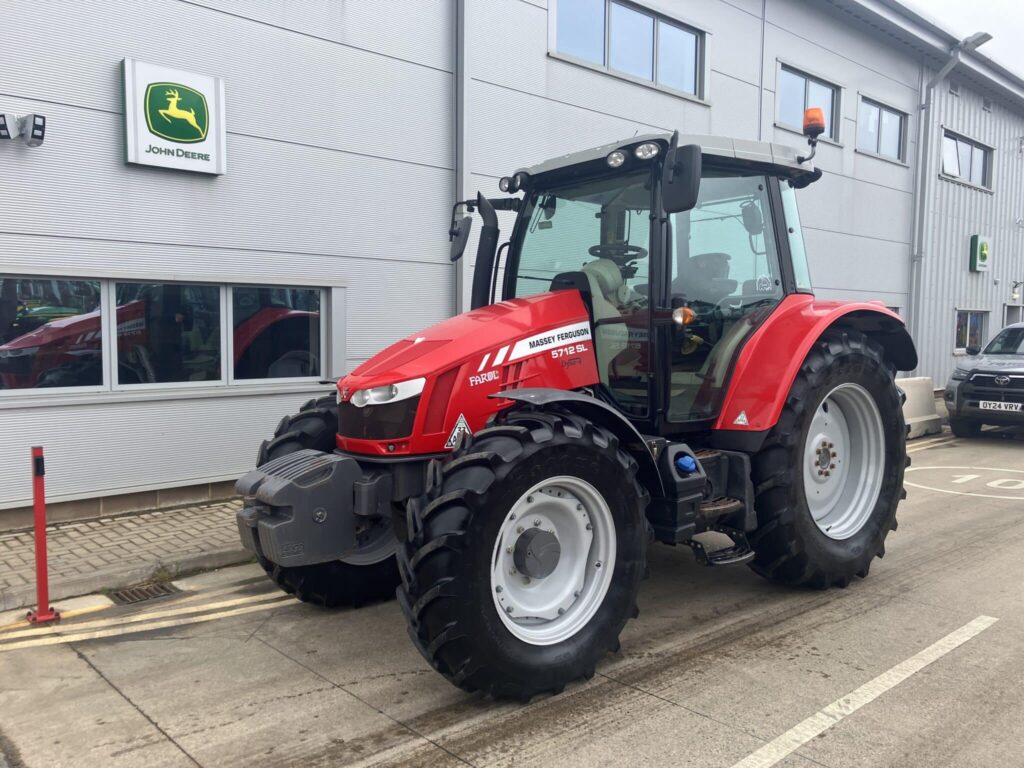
(31,128)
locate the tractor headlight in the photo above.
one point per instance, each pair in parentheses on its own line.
(616,158)
(388,393)
(960,374)
(646,151)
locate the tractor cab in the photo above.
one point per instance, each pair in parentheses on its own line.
(680,253)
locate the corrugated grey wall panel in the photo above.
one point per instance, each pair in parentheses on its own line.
(291,88)
(956,212)
(420,31)
(275,196)
(127,446)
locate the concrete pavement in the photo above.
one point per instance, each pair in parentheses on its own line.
(719,667)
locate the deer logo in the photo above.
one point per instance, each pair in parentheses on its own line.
(176,112)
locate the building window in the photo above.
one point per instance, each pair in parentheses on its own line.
(50,333)
(276,332)
(966,160)
(60,333)
(881,130)
(970,329)
(798,91)
(167,333)
(626,39)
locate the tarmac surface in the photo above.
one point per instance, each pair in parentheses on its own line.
(921,664)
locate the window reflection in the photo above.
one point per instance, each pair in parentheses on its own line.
(167,332)
(276,332)
(50,333)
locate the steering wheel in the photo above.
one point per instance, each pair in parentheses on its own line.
(620,253)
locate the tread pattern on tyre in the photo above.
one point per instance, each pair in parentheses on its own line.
(435,602)
(776,471)
(336,583)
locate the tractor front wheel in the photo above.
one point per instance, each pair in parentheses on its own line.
(830,474)
(524,557)
(369,574)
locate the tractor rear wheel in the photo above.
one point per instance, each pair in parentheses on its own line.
(367,575)
(523,559)
(830,474)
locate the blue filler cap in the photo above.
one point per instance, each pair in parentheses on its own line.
(686,464)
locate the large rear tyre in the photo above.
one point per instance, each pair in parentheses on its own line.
(523,559)
(830,474)
(369,574)
(964,427)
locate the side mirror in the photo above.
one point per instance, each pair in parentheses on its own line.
(458,234)
(680,178)
(974,351)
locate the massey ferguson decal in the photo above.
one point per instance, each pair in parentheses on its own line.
(564,337)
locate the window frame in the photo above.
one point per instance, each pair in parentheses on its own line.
(904,130)
(988,151)
(961,351)
(835,139)
(110,388)
(701,73)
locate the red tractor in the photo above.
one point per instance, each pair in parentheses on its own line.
(657,368)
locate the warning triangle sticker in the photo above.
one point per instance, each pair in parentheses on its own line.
(461,427)
(741,420)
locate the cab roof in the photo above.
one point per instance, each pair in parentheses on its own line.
(766,156)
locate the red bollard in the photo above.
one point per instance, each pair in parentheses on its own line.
(44,612)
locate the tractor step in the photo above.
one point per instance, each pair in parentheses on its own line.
(739,553)
(719,507)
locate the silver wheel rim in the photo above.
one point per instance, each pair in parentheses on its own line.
(550,608)
(376,544)
(843,459)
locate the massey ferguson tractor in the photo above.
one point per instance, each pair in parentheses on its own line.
(647,362)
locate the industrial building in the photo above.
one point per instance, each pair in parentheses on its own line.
(234,201)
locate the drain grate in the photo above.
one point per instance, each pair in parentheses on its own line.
(142,592)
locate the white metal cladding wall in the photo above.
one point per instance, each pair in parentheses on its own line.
(957,211)
(858,219)
(340,159)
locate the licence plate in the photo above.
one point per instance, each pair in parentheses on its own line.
(995,405)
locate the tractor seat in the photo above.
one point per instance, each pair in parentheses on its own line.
(606,286)
(705,277)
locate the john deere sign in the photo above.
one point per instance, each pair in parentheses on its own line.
(173,119)
(981,252)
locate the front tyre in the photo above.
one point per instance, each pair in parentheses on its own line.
(523,559)
(367,575)
(830,474)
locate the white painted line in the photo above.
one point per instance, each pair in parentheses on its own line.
(816,724)
(129,630)
(115,621)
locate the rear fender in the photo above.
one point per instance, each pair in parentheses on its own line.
(603,414)
(770,360)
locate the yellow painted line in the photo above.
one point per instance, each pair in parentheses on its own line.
(59,629)
(117,631)
(24,623)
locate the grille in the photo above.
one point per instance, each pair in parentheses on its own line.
(142,592)
(387,421)
(987,381)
